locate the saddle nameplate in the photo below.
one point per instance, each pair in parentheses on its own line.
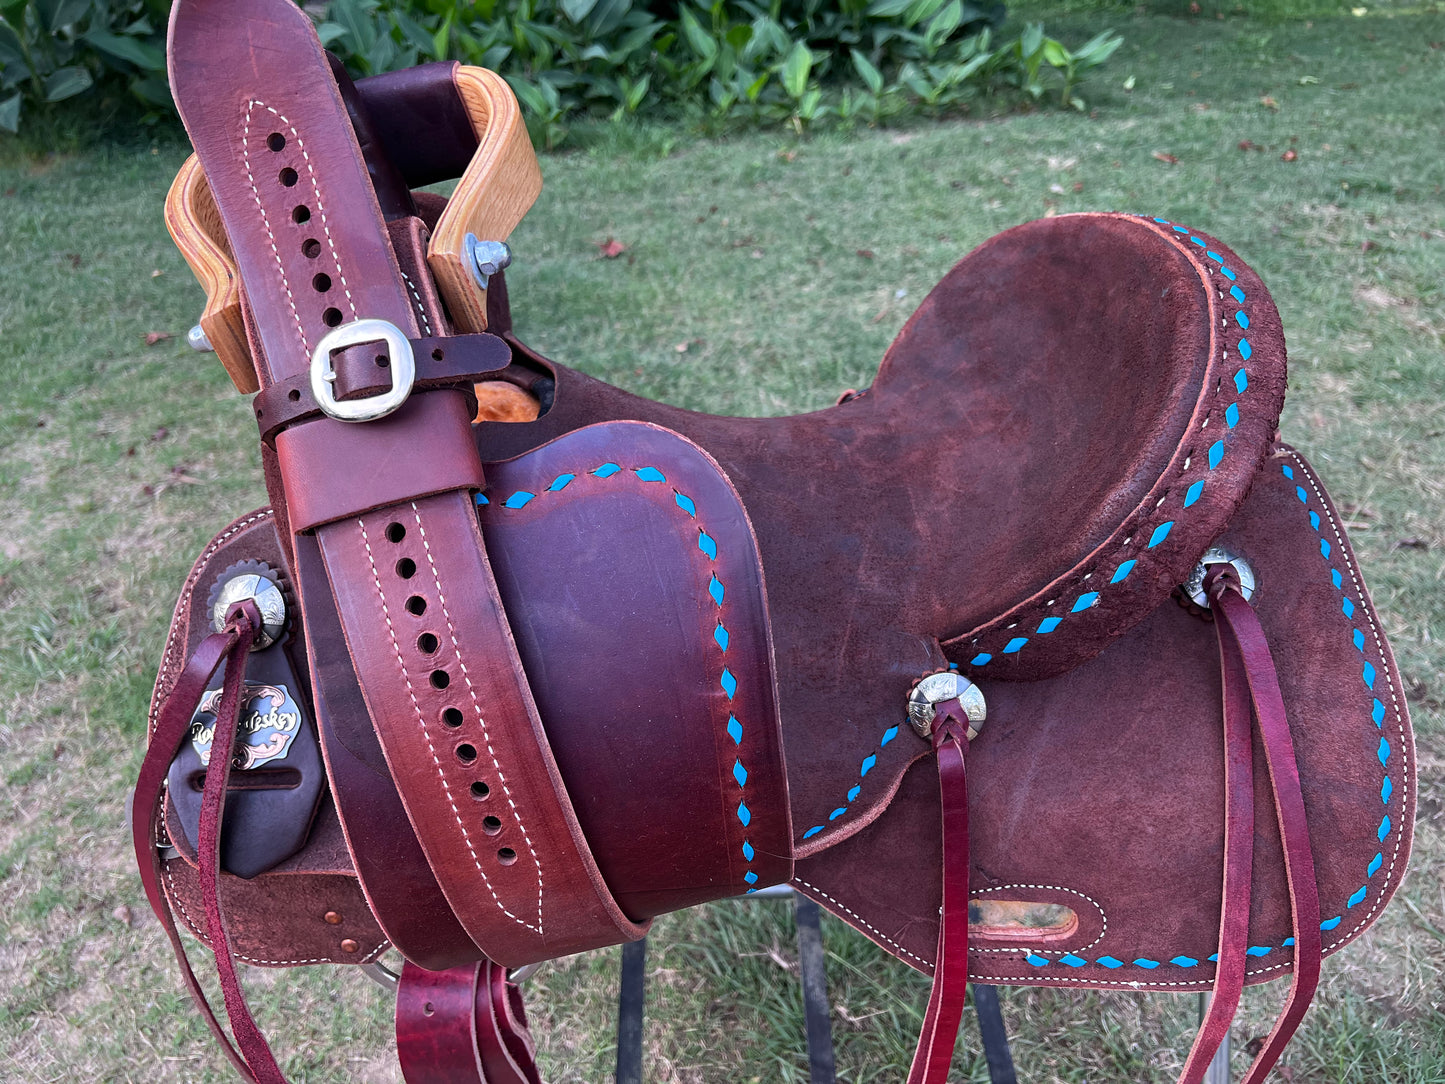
(270,721)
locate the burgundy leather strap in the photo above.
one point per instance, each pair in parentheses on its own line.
(458,361)
(419,118)
(1238,860)
(390,501)
(464,1025)
(174,723)
(462,737)
(934,1055)
(392,868)
(1239,622)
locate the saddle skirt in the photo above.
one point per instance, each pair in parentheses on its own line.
(569,673)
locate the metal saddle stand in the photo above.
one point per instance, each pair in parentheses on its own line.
(992,1032)
(818,1025)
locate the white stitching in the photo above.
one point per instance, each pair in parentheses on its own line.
(476,705)
(971,948)
(320,210)
(864,922)
(425,323)
(431,748)
(266,219)
(175,897)
(1103,917)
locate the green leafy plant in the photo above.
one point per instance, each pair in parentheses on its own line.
(794,62)
(1035,55)
(51,50)
(713,62)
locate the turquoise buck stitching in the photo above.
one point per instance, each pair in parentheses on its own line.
(1089,598)
(857,788)
(1215,455)
(716,591)
(1368,675)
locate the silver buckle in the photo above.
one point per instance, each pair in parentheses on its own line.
(402,367)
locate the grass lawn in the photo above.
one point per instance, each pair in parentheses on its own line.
(763,274)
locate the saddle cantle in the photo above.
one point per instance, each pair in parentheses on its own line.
(569,673)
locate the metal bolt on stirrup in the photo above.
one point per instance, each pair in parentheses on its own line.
(485,258)
(935,689)
(1218,555)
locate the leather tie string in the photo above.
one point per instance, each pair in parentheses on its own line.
(1238,861)
(229,647)
(1241,635)
(950,971)
(1252,696)
(462,1026)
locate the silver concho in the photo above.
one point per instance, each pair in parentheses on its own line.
(261,588)
(1218,555)
(267,727)
(935,689)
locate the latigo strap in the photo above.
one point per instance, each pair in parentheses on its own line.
(296,199)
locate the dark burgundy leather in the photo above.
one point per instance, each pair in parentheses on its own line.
(416,466)
(392,195)
(620,534)
(420,121)
(934,1056)
(392,869)
(172,725)
(245,618)
(464,1025)
(442,362)
(1235,891)
(1240,624)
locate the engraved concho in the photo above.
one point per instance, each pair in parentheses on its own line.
(268,598)
(935,689)
(268,724)
(1218,555)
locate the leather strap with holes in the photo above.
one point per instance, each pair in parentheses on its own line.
(465,1025)
(388,502)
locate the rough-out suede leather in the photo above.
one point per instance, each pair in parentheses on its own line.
(1132,736)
